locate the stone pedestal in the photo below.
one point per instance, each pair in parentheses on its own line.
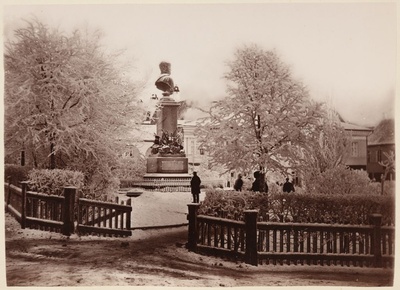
(167,165)
(167,116)
(167,121)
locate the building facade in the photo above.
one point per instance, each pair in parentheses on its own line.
(381,143)
(357,155)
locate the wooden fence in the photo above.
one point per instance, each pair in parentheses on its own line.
(159,184)
(292,243)
(13,201)
(59,213)
(104,218)
(170,184)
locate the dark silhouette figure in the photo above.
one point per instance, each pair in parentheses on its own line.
(288,186)
(238,183)
(195,187)
(256,183)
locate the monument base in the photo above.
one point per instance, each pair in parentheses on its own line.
(180,176)
(167,165)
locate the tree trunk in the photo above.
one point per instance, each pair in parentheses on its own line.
(23,158)
(52,156)
(383,178)
(34,158)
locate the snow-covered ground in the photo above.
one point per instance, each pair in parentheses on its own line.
(155,257)
(160,208)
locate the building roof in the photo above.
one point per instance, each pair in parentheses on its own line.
(353,127)
(383,133)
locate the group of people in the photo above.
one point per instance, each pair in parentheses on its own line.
(257,184)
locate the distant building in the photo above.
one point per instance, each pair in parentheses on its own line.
(143,137)
(193,151)
(357,155)
(381,141)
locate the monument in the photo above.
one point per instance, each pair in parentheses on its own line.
(167,156)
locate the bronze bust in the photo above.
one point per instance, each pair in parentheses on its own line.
(165,83)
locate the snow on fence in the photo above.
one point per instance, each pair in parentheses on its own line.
(166,184)
(58,213)
(292,243)
(169,184)
(104,218)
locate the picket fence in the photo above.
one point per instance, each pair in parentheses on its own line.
(169,184)
(67,214)
(291,243)
(159,184)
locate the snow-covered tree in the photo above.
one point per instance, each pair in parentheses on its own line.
(266,122)
(66,98)
(330,148)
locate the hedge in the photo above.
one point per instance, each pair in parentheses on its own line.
(303,208)
(15,173)
(53,181)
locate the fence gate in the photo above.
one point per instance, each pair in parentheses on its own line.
(104,218)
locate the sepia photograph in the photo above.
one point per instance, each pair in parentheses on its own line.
(199,144)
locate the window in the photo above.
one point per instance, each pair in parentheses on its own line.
(379,155)
(354,149)
(368,156)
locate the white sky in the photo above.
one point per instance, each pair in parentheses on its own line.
(345,53)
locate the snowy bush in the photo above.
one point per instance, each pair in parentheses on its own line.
(53,181)
(342,180)
(298,207)
(16,173)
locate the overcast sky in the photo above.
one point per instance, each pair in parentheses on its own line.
(345,53)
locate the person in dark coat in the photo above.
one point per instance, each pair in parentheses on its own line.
(238,183)
(195,187)
(256,183)
(288,186)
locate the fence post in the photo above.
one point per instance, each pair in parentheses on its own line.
(250,218)
(193,232)
(69,204)
(24,186)
(376,222)
(128,215)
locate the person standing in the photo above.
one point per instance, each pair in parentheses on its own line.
(238,183)
(195,187)
(288,186)
(257,182)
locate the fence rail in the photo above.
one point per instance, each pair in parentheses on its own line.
(292,243)
(105,218)
(170,184)
(44,212)
(58,213)
(13,202)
